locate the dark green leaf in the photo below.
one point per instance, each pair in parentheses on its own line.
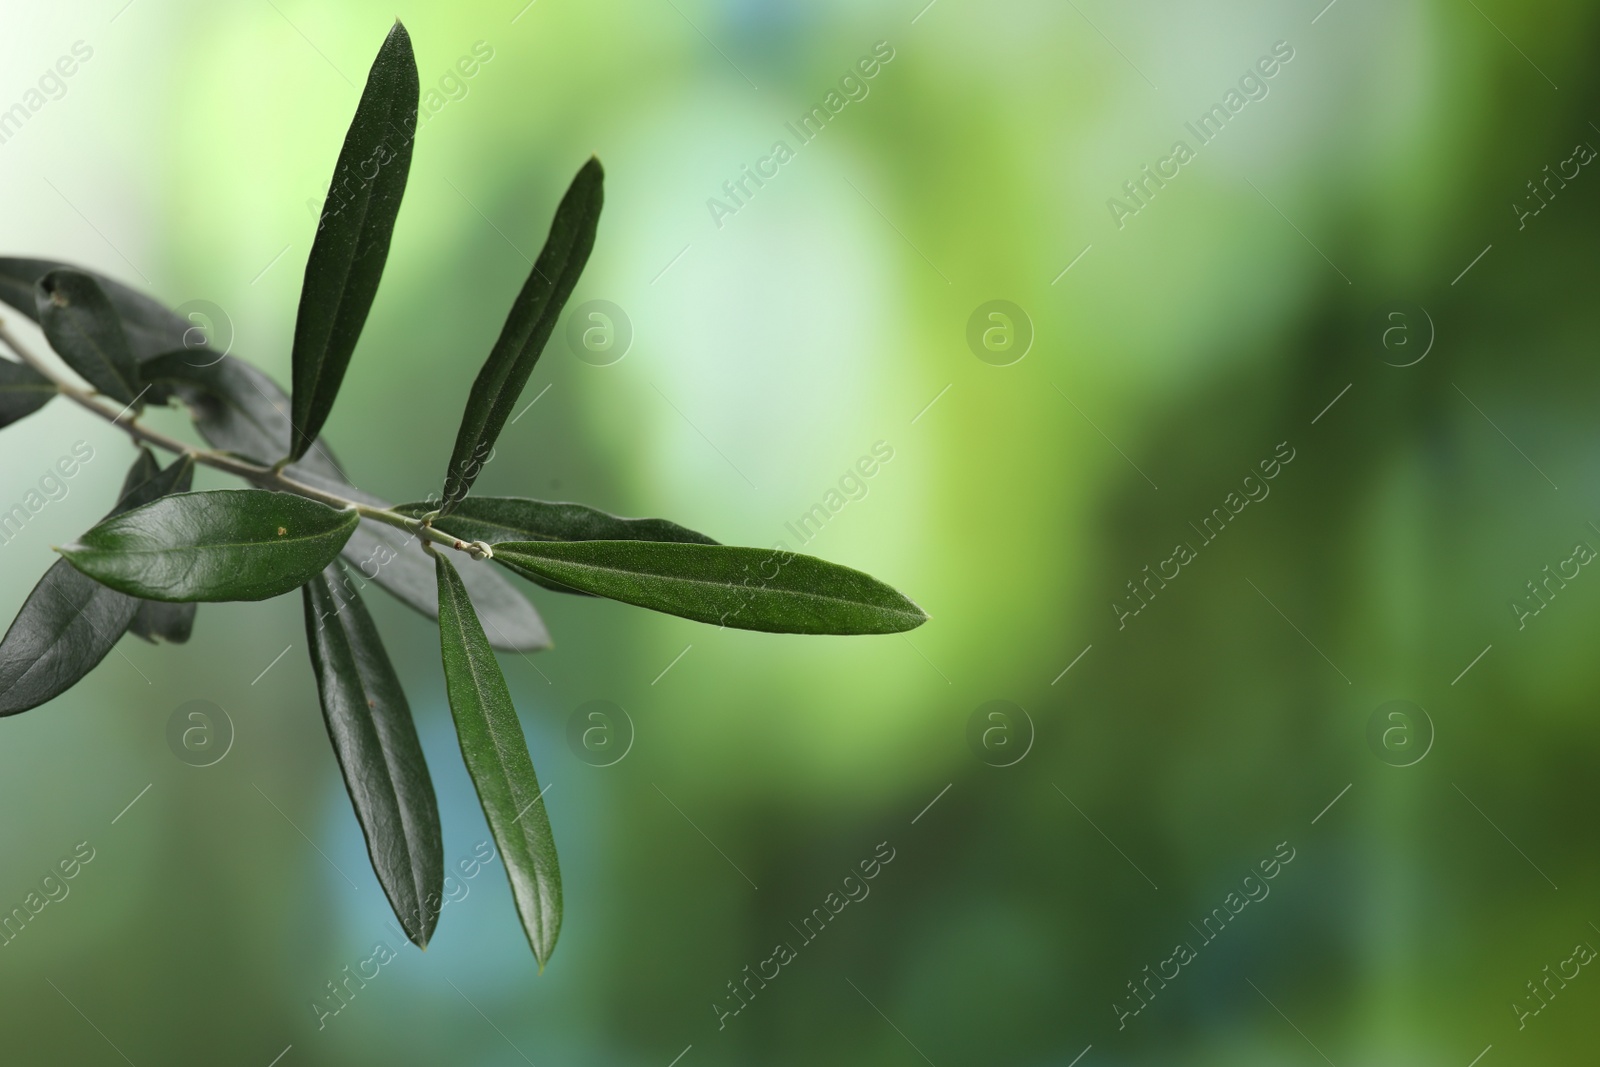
(497,758)
(238,409)
(23,391)
(509,518)
(70,621)
(228,544)
(397,561)
(352,241)
(154,619)
(175,478)
(145,467)
(745,588)
(151,327)
(83,328)
(369,723)
(522,339)
(65,628)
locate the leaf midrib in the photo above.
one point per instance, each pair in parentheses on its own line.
(61,633)
(168,550)
(413,858)
(514,827)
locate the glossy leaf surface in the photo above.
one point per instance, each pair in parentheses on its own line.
(352,242)
(65,628)
(533,315)
(497,758)
(156,620)
(745,588)
(228,544)
(375,740)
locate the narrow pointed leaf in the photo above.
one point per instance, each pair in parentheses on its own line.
(509,518)
(397,561)
(150,326)
(70,621)
(228,544)
(745,588)
(497,758)
(375,740)
(23,391)
(533,315)
(352,242)
(82,326)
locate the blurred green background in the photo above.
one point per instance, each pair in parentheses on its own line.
(189,156)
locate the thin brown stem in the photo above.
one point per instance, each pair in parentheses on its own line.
(273,477)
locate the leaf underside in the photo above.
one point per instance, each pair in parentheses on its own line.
(497,759)
(236,408)
(149,325)
(369,723)
(396,560)
(82,326)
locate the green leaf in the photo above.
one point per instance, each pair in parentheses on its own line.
(83,328)
(369,723)
(238,409)
(533,315)
(23,391)
(228,544)
(352,241)
(145,467)
(70,621)
(745,588)
(154,619)
(510,518)
(65,628)
(151,327)
(497,758)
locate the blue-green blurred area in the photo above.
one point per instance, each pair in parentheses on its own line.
(1375,283)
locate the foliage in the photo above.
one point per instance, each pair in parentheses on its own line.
(164,549)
